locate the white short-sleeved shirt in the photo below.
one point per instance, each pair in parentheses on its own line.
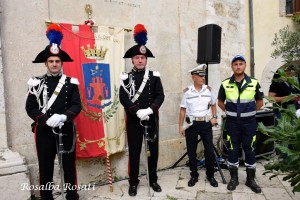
(197,103)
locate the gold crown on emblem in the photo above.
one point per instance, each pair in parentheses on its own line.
(97,54)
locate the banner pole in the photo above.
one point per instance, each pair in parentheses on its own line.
(111,189)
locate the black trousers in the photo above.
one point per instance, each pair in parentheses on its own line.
(204,129)
(46,146)
(135,135)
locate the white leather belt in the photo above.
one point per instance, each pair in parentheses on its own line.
(199,119)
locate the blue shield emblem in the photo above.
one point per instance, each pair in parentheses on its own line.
(97,84)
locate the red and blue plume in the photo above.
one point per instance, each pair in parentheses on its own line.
(54,34)
(140,34)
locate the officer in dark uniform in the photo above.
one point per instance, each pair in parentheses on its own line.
(280,90)
(141,94)
(198,108)
(243,96)
(53,100)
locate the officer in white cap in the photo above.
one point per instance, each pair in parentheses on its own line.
(198,108)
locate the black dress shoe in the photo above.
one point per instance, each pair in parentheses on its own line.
(192,181)
(155,187)
(212,181)
(132,190)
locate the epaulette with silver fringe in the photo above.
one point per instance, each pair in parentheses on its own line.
(74,81)
(123,76)
(156,73)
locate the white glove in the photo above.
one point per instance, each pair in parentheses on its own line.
(142,113)
(55,120)
(138,113)
(145,118)
(298,113)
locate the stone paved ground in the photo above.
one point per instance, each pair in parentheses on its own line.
(174,187)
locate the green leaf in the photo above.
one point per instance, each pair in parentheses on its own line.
(289,176)
(295,180)
(274,175)
(296,188)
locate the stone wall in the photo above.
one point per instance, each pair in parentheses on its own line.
(3,137)
(172,37)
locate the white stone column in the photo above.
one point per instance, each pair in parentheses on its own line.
(13,171)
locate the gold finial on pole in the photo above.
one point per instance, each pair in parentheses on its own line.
(88,10)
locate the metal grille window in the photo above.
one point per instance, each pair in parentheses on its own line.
(292,6)
(296,6)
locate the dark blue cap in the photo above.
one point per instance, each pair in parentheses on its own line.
(238,57)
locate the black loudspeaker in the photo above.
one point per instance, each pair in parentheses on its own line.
(209,44)
(268,119)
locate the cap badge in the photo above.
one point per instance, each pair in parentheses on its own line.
(143,49)
(54,49)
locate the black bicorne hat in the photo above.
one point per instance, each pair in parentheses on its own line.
(140,37)
(51,50)
(55,36)
(138,50)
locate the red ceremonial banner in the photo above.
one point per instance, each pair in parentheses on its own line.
(89,123)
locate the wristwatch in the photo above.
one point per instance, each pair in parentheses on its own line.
(215,116)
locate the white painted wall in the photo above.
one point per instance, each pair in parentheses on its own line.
(269,16)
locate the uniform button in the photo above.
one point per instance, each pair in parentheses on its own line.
(66,102)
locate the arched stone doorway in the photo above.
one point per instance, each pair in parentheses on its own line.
(268,73)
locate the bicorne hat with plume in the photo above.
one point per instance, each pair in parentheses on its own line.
(140,37)
(54,34)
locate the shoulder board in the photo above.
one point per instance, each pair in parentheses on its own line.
(124,76)
(74,81)
(186,89)
(156,73)
(209,88)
